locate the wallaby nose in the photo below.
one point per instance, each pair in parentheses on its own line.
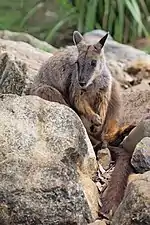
(82,83)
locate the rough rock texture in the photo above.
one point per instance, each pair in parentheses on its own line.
(135,207)
(104,158)
(139,132)
(141,156)
(136,104)
(43,150)
(96,34)
(27,38)
(20,51)
(12,74)
(120,52)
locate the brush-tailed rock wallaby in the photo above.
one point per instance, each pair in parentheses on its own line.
(78,76)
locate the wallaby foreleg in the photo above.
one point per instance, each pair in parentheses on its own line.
(49,93)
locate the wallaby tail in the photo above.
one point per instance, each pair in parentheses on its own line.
(114,193)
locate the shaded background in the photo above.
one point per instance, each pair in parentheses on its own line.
(128,21)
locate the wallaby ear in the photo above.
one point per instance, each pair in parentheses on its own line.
(77,37)
(101,42)
(103,39)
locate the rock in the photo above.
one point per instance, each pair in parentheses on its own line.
(139,68)
(95,35)
(91,193)
(135,207)
(136,104)
(27,38)
(141,156)
(104,158)
(118,73)
(45,156)
(25,53)
(140,131)
(12,74)
(117,51)
(133,176)
(124,53)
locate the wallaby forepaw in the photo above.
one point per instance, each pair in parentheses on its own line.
(95,129)
(96,120)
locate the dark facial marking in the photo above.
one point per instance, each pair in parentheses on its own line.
(93,62)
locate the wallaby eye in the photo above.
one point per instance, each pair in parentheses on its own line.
(93,63)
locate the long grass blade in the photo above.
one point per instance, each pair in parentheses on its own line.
(81,8)
(133,8)
(106,14)
(90,19)
(70,17)
(111,18)
(31,13)
(121,17)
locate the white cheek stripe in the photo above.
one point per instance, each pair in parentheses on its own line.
(95,74)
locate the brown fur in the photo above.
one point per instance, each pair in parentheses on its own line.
(60,77)
(114,193)
(78,77)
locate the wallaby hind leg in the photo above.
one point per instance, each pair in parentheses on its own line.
(49,93)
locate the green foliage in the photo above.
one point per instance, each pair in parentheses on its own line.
(126,20)
(13,12)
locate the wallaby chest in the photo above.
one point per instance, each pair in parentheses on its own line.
(95,97)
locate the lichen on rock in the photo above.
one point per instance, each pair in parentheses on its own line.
(12,74)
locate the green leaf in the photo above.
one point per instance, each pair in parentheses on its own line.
(134,10)
(81,8)
(90,20)
(111,18)
(107,5)
(121,10)
(31,13)
(70,16)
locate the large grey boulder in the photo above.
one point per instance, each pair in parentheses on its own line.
(141,156)
(135,207)
(46,164)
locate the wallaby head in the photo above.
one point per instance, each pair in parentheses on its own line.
(90,60)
